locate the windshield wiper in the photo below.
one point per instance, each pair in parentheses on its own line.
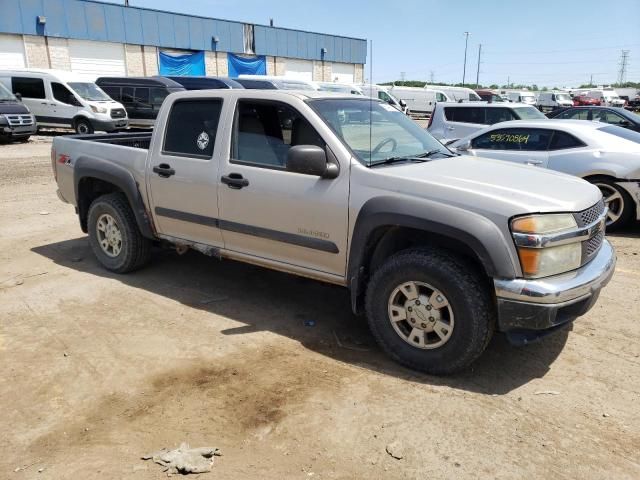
(390,160)
(433,152)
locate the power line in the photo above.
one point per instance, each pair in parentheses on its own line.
(622,73)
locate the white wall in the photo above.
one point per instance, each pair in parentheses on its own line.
(299,69)
(12,51)
(96,59)
(343,73)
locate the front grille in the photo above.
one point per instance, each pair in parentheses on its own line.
(19,120)
(118,113)
(590,215)
(594,243)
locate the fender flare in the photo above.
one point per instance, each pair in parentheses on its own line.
(476,231)
(91,167)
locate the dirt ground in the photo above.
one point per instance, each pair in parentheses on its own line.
(98,369)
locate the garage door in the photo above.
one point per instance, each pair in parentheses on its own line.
(342,72)
(299,69)
(97,59)
(11,51)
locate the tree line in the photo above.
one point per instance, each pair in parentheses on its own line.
(494,86)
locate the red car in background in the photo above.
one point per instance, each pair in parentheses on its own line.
(583,100)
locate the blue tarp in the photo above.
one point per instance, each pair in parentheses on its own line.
(188,64)
(247,66)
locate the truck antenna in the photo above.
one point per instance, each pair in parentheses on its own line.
(370,101)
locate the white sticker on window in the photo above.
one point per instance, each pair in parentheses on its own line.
(203,140)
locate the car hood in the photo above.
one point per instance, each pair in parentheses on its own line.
(10,108)
(491,186)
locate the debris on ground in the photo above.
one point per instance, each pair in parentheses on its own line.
(44,212)
(547,392)
(184,459)
(395,450)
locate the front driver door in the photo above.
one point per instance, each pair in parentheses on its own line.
(270,214)
(520,145)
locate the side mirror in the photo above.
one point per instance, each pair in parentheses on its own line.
(403,103)
(464,146)
(310,160)
(18,96)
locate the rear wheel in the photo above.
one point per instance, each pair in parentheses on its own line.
(430,311)
(114,235)
(83,126)
(618,201)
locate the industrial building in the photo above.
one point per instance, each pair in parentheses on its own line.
(102,39)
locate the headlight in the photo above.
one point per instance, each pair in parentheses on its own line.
(3,120)
(538,260)
(98,109)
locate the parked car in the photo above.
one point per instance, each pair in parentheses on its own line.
(584,100)
(64,99)
(438,253)
(141,96)
(605,155)
(266,82)
(614,116)
(383,93)
(490,96)
(16,121)
(205,83)
(526,97)
(419,101)
(607,98)
(549,101)
(451,121)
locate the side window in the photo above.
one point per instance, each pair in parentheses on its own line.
(191,128)
(465,114)
(63,94)
(28,87)
(563,140)
(383,96)
(127,95)
(497,115)
(142,95)
(440,97)
(113,92)
(578,114)
(519,139)
(264,131)
(158,95)
(608,117)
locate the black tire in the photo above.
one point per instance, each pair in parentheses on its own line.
(624,206)
(469,298)
(83,126)
(135,249)
(23,139)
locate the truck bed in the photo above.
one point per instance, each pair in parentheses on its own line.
(140,140)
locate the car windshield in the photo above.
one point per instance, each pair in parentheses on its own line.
(528,113)
(89,91)
(563,96)
(5,94)
(375,131)
(622,133)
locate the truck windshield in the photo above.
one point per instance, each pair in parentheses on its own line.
(563,97)
(6,95)
(376,132)
(89,91)
(528,113)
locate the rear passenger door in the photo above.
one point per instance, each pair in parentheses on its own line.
(520,145)
(463,121)
(182,173)
(272,216)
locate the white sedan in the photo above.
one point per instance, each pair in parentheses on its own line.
(605,155)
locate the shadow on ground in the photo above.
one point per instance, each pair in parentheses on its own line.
(315,314)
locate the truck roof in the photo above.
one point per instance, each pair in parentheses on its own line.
(267,94)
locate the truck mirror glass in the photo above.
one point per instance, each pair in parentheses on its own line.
(307,159)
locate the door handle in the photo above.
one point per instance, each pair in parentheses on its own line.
(164,170)
(534,162)
(234,180)
(450,128)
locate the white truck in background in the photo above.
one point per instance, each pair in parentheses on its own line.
(420,101)
(383,93)
(457,94)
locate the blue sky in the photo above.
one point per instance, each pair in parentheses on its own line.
(552,43)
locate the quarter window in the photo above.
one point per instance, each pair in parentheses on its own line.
(113,92)
(563,140)
(264,132)
(28,87)
(191,128)
(127,95)
(520,139)
(497,115)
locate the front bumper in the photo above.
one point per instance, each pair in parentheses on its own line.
(18,132)
(109,125)
(529,309)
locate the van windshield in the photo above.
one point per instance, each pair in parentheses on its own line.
(376,132)
(563,96)
(6,95)
(528,113)
(89,91)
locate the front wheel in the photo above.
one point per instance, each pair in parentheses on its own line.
(83,126)
(430,310)
(114,235)
(618,201)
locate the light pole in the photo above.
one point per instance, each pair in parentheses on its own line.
(464,68)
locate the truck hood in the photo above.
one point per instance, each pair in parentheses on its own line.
(13,107)
(491,186)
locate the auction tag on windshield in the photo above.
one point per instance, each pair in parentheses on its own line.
(388,108)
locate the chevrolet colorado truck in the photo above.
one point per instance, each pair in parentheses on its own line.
(344,189)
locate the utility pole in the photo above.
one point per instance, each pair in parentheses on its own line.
(431,77)
(591,80)
(624,63)
(508,82)
(478,72)
(464,67)
(402,76)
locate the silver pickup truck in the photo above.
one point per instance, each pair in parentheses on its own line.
(342,189)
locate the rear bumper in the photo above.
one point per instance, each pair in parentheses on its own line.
(529,309)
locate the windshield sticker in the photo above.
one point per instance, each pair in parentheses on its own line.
(203,140)
(506,138)
(388,108)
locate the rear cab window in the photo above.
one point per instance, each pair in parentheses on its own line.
(192,127)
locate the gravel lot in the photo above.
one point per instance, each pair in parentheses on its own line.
(97,369)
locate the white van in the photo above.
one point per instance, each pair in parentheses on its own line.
(457,94)
(419,100)
(549,101)
(63,99)
(381,92)
(528,98)
(608,98)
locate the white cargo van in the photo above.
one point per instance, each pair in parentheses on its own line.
(383,93)
(528,98)
(457,94)
(549,101)
(419,100)
(63,99)
(608,98)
